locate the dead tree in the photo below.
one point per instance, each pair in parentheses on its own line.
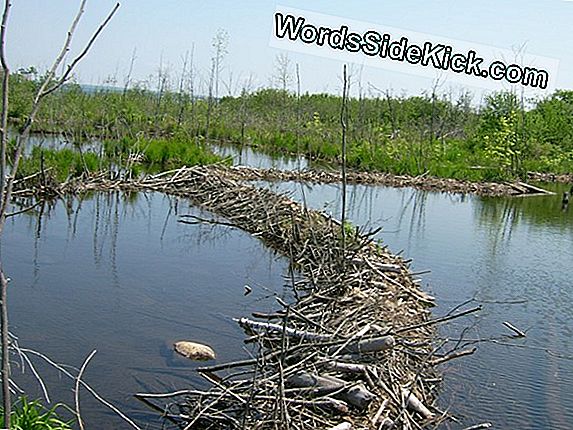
(344,124)
(220,42)
(49,84)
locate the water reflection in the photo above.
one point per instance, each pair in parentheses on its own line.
(118,273)
(245,156)
(514,256)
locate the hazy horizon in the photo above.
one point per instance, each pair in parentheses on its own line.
(161,34)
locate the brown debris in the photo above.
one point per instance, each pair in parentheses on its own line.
(360,330)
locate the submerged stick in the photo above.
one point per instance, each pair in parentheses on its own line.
(77,388)
(513,328)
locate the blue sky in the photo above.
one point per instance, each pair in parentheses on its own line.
(162,31)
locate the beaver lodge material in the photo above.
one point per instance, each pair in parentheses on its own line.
(423,182)
(356,350)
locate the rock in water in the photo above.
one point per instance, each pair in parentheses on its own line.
(194,351)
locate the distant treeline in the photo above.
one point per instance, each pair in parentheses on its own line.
(438,134)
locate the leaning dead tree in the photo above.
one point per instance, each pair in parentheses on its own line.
(49,84)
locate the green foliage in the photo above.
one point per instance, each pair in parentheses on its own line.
(552,120)
(162,153)
(501,145)
(441,135)
(32,415)
(349,229)
(63,163)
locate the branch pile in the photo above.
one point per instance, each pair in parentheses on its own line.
(355,350)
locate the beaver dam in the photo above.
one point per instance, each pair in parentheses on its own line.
(355,350)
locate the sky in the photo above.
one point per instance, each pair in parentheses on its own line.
(161,32)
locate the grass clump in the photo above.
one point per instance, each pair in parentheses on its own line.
(32,415)
(63,163)
(162,153)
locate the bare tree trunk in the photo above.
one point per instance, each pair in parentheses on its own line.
(5,81)
(298,115)
(128,78)
(7,404)
(191,91)
(181,99)
(161,86)
(47,87)
(210,101)
(220,42)
(343,122)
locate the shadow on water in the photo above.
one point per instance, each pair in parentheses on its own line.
(117,273)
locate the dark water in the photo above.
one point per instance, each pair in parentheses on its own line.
(122,276)
(512,255)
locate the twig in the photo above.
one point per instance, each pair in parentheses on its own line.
(513,328)
(85,385)
(77,389)
(439,320)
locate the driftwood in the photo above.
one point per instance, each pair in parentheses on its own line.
(300,334)
(347,367)
(365,346)
(532,189)
(315,384)
(356,395)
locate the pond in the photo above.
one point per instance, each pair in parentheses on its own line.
(240,155)
(512,255)
(120,275)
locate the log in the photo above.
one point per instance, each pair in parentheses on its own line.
(416,405)
(278,328)
(534,189)
(347,367)
(318,385)
(358,396)
(365,346)
(321,384)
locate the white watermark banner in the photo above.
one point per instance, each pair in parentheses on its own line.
(411,52)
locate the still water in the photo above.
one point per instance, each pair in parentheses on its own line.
(240,155)
(120,274)
(512,255)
